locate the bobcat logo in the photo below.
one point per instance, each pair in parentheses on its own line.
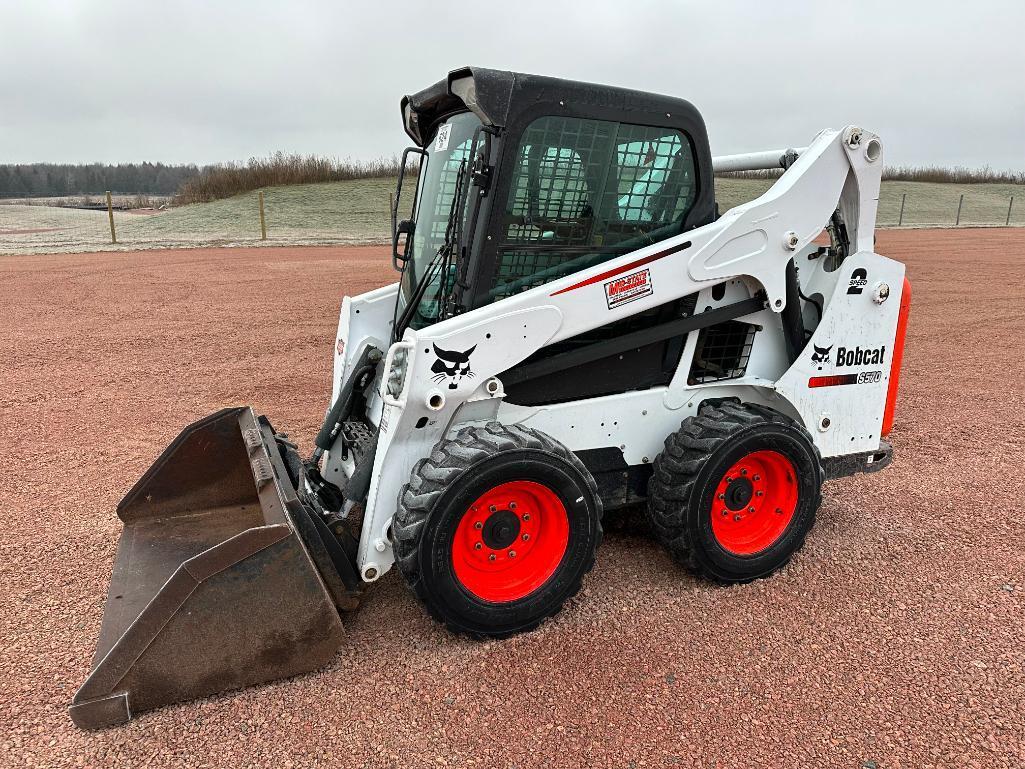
(452,365)
(821,354)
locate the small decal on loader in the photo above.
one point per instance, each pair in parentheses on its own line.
(870,377)
(452,366)
(441,143)
(628,288)
(821,354)
(859,279)
(340,347)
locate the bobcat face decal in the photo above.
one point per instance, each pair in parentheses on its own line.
(452,366)
(821,354)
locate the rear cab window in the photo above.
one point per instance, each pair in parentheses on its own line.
(585,191)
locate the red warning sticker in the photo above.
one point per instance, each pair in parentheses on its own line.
(627,288)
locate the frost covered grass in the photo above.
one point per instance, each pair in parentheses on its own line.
(348,212)
(356,212)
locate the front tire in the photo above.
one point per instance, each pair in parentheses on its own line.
(496,529)
(735,491)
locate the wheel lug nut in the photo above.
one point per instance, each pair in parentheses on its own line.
(736,517)
(779,510)
(526,537)
(722,496)
(725,511)
(526,516)
(758,477)
(493,509)
(512,553)
(478,525)
(492,557)
(750,509)
(478,546)
(759,493)
(743,471)
(512,505)
(729,479)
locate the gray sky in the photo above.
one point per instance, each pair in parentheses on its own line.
(943,83)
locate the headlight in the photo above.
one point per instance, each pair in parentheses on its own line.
(397,372)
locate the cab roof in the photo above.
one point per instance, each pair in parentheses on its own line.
(497,96)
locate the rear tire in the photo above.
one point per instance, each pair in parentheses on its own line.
(496,529)
(735,491)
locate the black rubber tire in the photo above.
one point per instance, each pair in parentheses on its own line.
(445,484)
(681,489)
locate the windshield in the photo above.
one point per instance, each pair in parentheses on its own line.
(446,152)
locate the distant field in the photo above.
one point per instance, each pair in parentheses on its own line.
(349,212)
(926,203)
(356,212)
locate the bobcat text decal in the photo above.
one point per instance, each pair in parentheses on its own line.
(850,356)
(860,356)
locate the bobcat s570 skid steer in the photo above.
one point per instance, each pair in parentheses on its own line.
(576,328)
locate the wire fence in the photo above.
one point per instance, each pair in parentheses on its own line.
(349,212)
(357,212)
(951,208)
(916,204)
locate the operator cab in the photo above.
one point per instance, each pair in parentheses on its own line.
(525,179)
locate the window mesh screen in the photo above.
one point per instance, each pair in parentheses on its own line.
(442,201)
(585,191)
(722,352)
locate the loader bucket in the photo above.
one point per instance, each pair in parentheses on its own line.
(221,580)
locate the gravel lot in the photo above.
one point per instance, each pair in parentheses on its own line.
(895,639)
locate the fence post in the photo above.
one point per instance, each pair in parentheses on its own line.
(959,204)
(900,221)
(1008,222)
(263,220)
(110,215)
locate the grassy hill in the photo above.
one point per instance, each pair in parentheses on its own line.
(353,212)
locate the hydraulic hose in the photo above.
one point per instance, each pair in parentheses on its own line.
(342,407)
(793,324)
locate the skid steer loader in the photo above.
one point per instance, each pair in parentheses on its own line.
(576,328)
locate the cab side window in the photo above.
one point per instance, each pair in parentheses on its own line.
(586,191)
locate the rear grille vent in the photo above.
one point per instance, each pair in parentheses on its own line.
(722,352)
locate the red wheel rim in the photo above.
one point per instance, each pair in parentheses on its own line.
(510,541)
(754,502)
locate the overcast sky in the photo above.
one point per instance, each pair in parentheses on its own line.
(943,83)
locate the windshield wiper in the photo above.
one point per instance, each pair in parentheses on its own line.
(441,262)
(453,237)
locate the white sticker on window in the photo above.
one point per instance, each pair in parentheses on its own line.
(441,143)
(622,290)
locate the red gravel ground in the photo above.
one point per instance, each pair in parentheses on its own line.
(895,639)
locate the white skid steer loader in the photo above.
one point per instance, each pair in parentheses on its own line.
(576,328)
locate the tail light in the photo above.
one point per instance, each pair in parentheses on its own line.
(898,356)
